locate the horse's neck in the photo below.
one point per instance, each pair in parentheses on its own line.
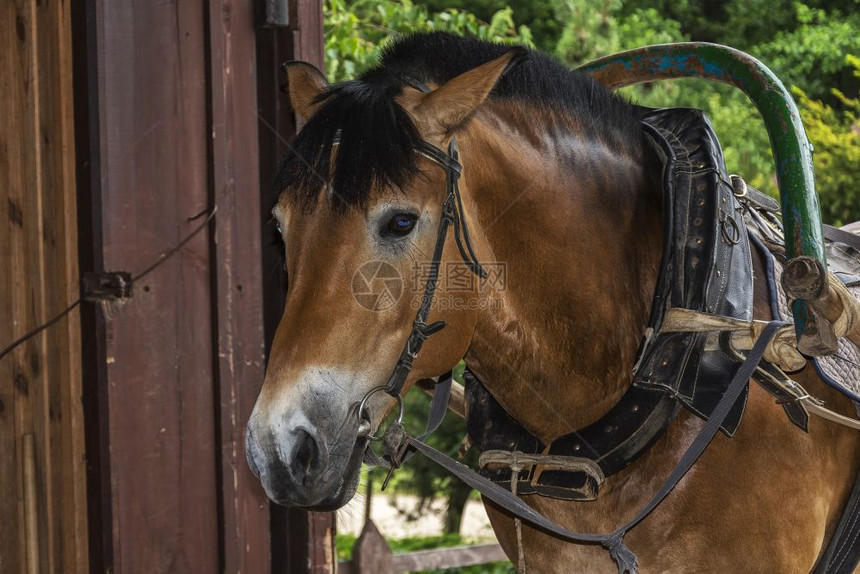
(577,228)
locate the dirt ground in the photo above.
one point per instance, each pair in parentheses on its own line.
(392,524)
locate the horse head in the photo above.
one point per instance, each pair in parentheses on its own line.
(360,215)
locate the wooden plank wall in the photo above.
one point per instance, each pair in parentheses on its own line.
(42,479)
(172,89)
(159,347)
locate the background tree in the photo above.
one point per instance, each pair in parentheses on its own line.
(355,31)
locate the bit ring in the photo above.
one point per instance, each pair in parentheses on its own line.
(364,423)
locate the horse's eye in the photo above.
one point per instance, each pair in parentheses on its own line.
(400,225)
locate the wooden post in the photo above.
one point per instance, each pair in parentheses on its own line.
(322,556)
(237,274)
(371,553)
(171,127)
(160,418)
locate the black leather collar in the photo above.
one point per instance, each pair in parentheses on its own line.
(707,267)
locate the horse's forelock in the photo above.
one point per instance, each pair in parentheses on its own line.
(359,140)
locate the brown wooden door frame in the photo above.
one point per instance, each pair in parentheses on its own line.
(173,116)
(302,541)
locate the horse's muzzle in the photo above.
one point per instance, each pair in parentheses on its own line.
(296,469)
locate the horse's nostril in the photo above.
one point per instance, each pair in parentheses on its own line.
(307,456)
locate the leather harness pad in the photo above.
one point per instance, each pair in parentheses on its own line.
(707,267)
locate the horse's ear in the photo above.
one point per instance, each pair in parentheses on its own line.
(448,107)
(304,84)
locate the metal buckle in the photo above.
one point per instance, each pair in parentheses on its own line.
(739,186)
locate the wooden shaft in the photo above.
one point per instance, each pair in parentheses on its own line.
(806,278)
(457,404)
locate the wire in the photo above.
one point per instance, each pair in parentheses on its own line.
(172,251)
(165,255)
(33,332)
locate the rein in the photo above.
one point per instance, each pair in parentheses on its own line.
(452,214)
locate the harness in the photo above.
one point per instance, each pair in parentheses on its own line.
(706,268)
(705,271)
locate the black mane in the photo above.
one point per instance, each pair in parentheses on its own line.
(378,140)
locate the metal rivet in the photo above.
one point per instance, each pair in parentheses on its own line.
(609,429)
(576,447)
(697,221)
(719,274)
(700,203)
(635,408)
(698,240)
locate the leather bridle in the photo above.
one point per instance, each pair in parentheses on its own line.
(452,215)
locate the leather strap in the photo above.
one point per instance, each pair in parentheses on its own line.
(613,542)
(843,552)
(452,214)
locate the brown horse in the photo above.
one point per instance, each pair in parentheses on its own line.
(557,187)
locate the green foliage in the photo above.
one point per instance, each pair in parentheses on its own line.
(733,22)
(835,134)
(538,14)
(355,32)
(812,55)
(593,29)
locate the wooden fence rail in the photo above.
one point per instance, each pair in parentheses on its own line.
(372,555)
